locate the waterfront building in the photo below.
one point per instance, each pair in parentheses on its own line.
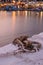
(5,0)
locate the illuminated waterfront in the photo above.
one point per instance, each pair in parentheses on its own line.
(13,24)
(22,6)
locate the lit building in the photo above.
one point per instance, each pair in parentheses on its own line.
(6,0)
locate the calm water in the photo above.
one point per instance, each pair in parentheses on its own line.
(13,24)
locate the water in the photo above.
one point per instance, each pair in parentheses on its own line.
(14,24)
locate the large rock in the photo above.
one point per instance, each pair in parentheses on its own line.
(21,38)
(26,45)
(30,45)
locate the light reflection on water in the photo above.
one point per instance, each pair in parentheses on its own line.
(13,24)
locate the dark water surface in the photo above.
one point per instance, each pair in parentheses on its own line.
(13,24)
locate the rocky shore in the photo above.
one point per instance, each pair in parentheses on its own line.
(22,57)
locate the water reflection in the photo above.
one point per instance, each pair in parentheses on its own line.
(13,24)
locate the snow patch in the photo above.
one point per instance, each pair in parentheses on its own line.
(8,49)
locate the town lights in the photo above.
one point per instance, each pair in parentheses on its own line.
(13,1)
